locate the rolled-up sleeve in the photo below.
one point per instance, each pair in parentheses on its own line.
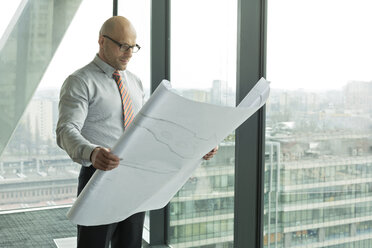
(73,110)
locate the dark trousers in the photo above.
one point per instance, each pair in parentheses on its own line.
(123,234)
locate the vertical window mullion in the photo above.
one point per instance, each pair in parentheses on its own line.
(160,67)
(249,146)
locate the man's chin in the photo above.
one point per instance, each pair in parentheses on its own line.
(121,67)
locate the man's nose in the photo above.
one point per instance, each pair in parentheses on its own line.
(129,52)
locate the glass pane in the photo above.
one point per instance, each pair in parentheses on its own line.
(32,36)
(8,16)
(51,40)
(138,12)
(203,68)
(318,125)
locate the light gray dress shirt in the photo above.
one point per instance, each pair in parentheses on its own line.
(90,109)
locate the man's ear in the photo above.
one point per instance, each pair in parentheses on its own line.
(101,40)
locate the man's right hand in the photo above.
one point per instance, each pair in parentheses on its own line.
(103,159)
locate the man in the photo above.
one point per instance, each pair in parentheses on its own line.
(97,103)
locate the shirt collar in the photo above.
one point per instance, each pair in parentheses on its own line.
(106,68)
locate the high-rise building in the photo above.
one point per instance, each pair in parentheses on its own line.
(39,120)
(202,212)
(317,181)
(358,96)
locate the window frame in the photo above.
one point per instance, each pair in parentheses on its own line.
(250,136)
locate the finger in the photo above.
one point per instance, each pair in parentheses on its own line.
(104,167)
(108,163)
(113,166)
(105,164)
(108,166)
(111,156)
(209,154)
(98,166)
(103,160)
(206,157)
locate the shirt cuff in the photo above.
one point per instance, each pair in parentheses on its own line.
(86,155)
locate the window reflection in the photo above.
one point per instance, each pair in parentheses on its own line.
(45,46)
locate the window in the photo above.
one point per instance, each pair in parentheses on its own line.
(203,68)
(318,124)
(46,44)
(138,12)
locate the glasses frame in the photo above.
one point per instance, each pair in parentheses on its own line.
(124,47)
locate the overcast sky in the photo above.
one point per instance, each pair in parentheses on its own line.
(319,44)
(312,44)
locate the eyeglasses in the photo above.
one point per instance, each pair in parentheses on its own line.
(124,47)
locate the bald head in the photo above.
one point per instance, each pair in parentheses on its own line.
(117,24)
(115,31)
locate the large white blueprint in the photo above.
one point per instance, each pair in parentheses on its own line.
(159,151)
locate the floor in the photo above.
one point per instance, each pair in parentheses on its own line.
(36,229)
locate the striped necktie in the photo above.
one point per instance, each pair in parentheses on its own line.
(125,98)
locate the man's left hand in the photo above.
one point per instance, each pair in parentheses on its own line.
(210,154)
